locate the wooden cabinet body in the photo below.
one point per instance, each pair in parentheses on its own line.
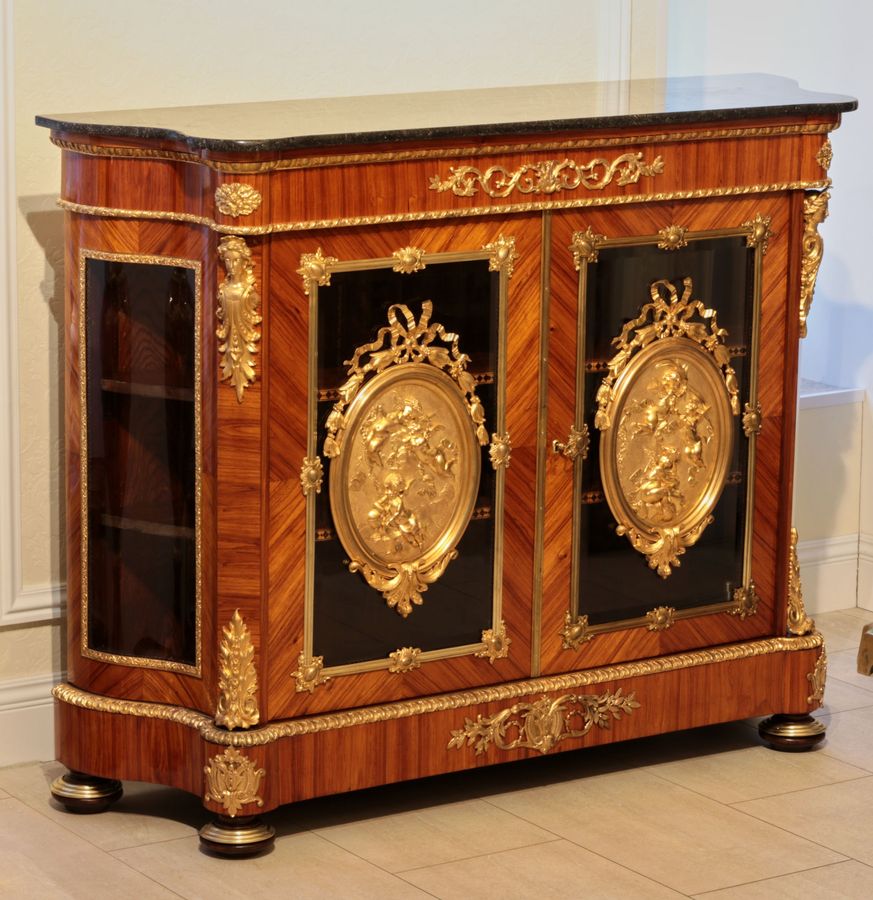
(485,447)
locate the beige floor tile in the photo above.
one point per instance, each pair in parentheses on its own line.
(850,737)
(664,831)
(840,696)
(842,881)
(557,869)
(842,630)
(836,816)
(433,835)
(42,860)
(865,615)
(619,757)
(843,665)
(753,772)
(301,866)
(550,769)
(145,813)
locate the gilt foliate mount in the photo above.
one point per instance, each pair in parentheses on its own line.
(665,409)
(542,724)
(404,438)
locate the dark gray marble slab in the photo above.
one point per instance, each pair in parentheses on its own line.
(494,112)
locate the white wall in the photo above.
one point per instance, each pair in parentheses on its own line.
(825,47)
(64,56)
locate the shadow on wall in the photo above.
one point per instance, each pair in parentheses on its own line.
(46,223)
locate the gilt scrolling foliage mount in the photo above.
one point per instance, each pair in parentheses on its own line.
(547,177)
(542,724)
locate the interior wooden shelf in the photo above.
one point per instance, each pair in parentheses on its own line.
(144,527)
(158,391)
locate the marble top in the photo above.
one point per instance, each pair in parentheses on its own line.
(289,124)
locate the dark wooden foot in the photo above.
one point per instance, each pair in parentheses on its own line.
(81,793)
(244,836)
(792,732)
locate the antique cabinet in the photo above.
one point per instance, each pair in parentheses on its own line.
(410,434)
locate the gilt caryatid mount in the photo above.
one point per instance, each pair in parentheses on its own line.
(404,438)
(665,411)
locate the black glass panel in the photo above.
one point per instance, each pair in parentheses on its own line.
(141,460)
(352,622)
(615,581)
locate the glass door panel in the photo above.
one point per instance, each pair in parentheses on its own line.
(662,502)
(140,476)
(406,538)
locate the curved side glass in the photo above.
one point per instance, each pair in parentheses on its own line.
(140,461)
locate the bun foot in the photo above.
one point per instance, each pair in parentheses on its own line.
(792,732)
(243,836)
(81,793)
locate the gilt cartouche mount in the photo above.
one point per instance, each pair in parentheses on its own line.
(399,432)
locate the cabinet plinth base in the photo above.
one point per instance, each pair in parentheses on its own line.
(81,793)
(244,836)
(792,732)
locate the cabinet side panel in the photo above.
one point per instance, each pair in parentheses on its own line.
(147,239)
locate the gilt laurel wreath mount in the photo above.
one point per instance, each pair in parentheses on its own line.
(665,411)
(404,439)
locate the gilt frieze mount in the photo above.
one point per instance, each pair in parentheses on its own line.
(544,723)
(547,177)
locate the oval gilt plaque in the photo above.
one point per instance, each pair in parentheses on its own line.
(403,489)
(665,457)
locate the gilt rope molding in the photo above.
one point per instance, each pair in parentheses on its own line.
(67,693)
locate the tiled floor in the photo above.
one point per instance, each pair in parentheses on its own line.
(706,813)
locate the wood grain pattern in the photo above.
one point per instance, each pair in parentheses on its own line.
(346,759)
(325,192)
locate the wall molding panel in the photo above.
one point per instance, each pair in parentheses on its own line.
(19,604)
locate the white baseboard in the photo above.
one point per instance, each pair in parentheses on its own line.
(27,719)
(865,571)
(829,573)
